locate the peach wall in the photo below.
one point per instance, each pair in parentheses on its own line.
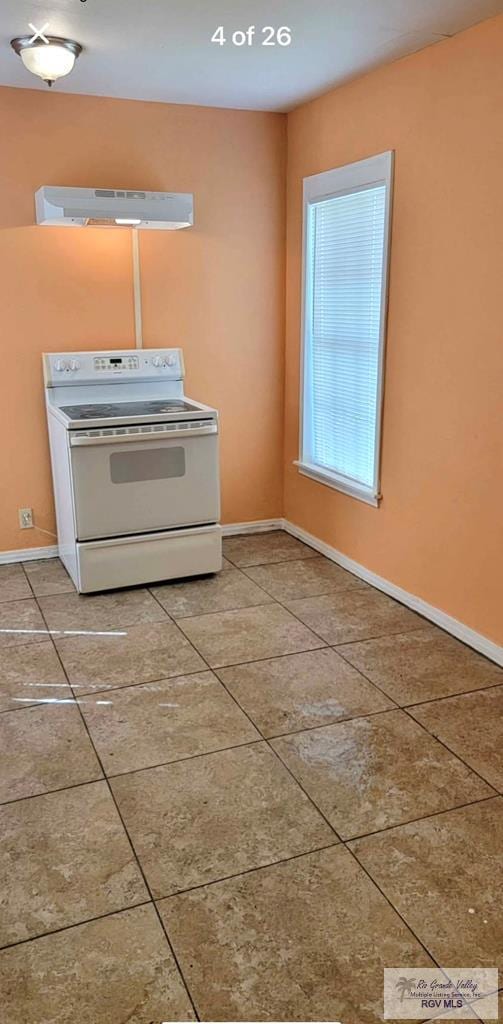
(216,290)
(438,531)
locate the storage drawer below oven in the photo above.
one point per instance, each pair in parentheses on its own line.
(125,562)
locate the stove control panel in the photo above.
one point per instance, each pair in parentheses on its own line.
(116,363)
(103,367)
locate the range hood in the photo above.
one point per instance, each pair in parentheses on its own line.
(108,207)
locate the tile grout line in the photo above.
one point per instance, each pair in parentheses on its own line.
(51,792)
(278,736)
(198,615)
(133,851)
(358,585)
(363,585)
(423,817)
(295,558)
(427,622)
(75,924)
(307,597)
(333,647)
(249,871)
(271,749)
(271,600)
(261,739)
(183,760)
(266,740)
(343,842)
(276,657)
(323,725)
(339,840)
(296,732)
(317,634)
(405,710)
(429,700)
(451,696)
(311,629)
(449,751)
(398,913)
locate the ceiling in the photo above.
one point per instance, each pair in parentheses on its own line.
(162,49)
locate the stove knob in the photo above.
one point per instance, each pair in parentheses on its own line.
(74,365)
(60,365)
(170,361)
(157,361)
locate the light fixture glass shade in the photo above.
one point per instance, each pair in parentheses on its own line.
(49,57)
(49,61)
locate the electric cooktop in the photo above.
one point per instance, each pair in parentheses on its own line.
(117,410)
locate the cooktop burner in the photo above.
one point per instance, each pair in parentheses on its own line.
(116,410)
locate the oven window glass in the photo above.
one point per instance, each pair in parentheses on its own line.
(147,464)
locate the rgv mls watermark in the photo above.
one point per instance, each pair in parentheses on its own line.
(414,993)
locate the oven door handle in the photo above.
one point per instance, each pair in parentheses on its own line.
(78,441)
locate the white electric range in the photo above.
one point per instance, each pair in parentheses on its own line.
(135,468)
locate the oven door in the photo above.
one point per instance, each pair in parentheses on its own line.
(129,480)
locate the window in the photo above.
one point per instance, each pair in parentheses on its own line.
(345,270)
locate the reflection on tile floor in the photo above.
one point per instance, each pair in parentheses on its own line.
(29,674)
(372,773)
(300,691)
(177,843)
(155,723)
(77,613)
(21,623)
(129,655)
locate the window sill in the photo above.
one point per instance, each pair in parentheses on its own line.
(337,483)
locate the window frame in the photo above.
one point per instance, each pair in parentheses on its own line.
(375,170)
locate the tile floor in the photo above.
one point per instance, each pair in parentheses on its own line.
(240,797)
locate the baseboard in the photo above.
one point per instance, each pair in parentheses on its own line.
(28,554)
(228,530)
(458,629)
(256,526)
(453,626)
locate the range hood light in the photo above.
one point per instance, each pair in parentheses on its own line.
(49,60)
(108,207)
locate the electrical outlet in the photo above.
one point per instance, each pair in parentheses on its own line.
(25,518)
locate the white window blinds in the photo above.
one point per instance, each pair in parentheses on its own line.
(345,271)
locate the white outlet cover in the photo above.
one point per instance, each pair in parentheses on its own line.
(26,518)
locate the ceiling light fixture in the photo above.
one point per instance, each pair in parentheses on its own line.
(51,59)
